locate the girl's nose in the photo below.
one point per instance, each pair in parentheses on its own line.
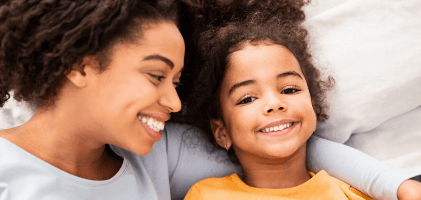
(274,105)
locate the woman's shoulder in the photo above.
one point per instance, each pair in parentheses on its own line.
(3,134)
(8,146)
(6,134)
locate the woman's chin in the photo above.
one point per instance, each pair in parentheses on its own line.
(141,150)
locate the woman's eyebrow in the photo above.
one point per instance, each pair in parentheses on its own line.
(161,58)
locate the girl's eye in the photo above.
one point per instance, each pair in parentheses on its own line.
(157,77)
(247,100)
(290,91)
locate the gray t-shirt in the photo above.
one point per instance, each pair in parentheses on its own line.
(175,163)
(24,176)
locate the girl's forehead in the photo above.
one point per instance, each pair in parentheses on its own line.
(261,60)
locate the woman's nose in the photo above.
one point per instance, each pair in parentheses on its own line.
(170,100)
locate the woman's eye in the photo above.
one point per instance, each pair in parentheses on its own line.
(157,77)
(247,100)
(290,91)
(177,84)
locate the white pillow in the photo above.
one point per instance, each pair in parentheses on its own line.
(14,114)
(373,50)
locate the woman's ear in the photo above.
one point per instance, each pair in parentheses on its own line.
(220,133)
(80,70)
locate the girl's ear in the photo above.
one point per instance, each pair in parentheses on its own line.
(80,71)
(220,133)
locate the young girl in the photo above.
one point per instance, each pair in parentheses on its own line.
(103,74)
(263,98)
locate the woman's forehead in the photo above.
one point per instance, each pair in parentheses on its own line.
(162,40)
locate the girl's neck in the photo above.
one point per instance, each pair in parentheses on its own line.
(63,143)
(275,173)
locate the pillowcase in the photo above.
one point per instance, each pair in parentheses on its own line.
(373,50)
(14,114)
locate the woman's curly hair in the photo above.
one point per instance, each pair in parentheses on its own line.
(248,22)
(40,39)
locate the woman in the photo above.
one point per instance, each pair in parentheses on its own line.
(103,75)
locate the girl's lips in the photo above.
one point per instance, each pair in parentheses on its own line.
(277,123)
(153,134)
(279,133)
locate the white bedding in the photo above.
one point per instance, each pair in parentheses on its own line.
(13,114)
(373,50)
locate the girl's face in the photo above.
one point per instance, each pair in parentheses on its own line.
(130,101)
(266,106)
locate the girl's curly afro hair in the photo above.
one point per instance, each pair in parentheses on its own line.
(227,27)
(40,39)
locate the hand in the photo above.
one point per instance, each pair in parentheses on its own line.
(410,190)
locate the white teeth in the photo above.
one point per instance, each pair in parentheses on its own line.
(277,128)
(152,123)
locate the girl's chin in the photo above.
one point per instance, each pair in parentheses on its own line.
(281,153)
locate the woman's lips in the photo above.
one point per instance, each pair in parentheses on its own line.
(153,134)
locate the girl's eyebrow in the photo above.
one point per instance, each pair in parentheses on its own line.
(248,82)
(237,85)
(289,73)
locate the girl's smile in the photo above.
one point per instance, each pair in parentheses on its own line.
(267,111)
(277,130)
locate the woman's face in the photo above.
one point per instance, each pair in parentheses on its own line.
(130,101)
(266,105)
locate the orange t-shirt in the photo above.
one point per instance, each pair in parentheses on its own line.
(320,186)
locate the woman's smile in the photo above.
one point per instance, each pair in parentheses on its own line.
(153,132)
(131,100)
(154,125)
